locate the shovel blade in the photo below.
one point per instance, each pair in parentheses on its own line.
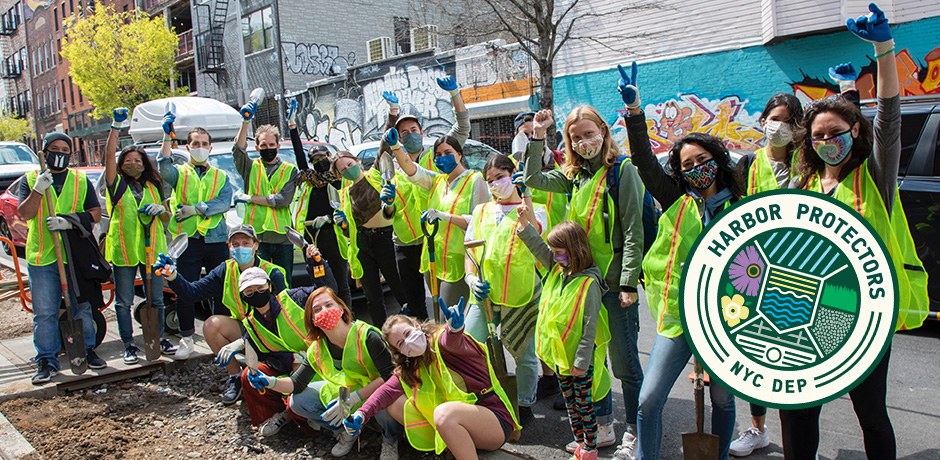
(150,323)
(73,337)
(178,246)
(699,446)
(296,238)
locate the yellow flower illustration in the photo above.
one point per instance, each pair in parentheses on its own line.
(733,309)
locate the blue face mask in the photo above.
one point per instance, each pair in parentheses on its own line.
(446,163)
(412,142)
(243,255)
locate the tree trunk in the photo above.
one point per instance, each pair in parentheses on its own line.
(547,98)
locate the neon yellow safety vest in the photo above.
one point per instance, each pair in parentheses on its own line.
(231,296)
(587,210)
(426,161)
(358,368)
(351,250)
(303,201)
(190,190)
(438,387)
(859,192)
(264,218)
(410,202)
(449,252)
(507,261)
(39,245)
(125,243)
(556,205)
(760,175)
(291,333)
(560,326)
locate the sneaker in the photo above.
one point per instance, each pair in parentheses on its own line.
(185,349)
(130,354)
(344,444)
(389,450)
(273,425)
(94,362)
(605,438)
(628,447)
(559,403)
(44,373)
(749,441)
(233,390)
(166,347)
(525,416)
(547,387)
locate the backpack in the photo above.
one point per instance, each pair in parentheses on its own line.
(651,211)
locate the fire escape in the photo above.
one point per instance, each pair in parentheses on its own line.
(211,48)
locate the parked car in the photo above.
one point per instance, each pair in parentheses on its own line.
(475,153)
(16,159)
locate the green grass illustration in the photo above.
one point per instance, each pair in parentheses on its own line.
(840,297)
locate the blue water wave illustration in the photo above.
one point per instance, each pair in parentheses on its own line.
(785,311)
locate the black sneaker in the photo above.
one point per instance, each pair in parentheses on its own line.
(166,347)
(525,416)
(94,362)
(559,403)
(547,387)
(233,390)
(45,372)
(130,354)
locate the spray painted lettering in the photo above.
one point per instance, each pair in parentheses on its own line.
(314,59)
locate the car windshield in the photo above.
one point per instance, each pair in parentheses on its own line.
(93,175)
(226,163)
(17,154)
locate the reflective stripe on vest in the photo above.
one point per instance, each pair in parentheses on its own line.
(190,190)
(507,259)
(39,246)
(449,252)
(760,175)
(556,205)
(351,253)
(265,218)
(291,335)
(587,210)
(410,202)
(231,296)
(358,369)
(125,245)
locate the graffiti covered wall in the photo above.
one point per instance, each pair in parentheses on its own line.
(314,59)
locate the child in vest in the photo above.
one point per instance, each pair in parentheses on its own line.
(571,334)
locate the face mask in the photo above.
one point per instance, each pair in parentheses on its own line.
(834,150)
(199,155)
(268,154)
(328,318)
(258,299)
(502,188)
(132,169)
(57,160)
(352,172)
(243,255)
(778,133)
(412,142)
(415,344)
(446,163)
(702,176)
(322,165)
(561,259)
(589,148)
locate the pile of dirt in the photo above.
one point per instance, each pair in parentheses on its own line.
(14,321)
(177,416)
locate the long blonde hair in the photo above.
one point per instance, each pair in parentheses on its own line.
(609,148)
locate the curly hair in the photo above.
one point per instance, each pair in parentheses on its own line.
(267,129)
(810,163)
(406,368)
(727,176)
(609,148)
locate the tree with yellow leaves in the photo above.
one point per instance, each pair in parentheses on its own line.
(120,60)
(15,129)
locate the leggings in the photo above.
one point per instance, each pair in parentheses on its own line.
(577,392)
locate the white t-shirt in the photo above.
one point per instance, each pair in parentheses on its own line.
(502,210)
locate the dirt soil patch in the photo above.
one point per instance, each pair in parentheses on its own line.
(14,321)
(174,417)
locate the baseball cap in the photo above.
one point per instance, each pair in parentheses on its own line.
(522,118)
(254,276)
(244,230)
(407,117)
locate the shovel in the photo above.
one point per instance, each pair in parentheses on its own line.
(171,108)
(386,167)
(493,343)
(176,248)
(149,319)
(334,201)
(699,445)
(296,239)
(432,271)
(251,361)
(73,336)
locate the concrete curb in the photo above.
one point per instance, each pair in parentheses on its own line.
(13,446)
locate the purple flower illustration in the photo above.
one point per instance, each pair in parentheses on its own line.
(746,271)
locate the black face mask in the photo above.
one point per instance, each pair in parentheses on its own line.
(258,299)
(268,154)
(322,165)
(57,161)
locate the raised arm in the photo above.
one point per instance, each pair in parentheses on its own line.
(533,175)
(461,129)
(110,163)
(299,154)
(165,166)
(404,160)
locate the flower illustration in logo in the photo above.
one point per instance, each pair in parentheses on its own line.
(733,309)
(746,271)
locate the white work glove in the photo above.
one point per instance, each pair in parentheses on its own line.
(43,181)
(225,355)
(242,198)
(333,415)
(433,215)
(184,211)
(354,399)
(153,209)
(320,221)
(56,224)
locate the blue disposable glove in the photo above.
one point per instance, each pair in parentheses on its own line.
(165,266)
(333,415)
(388,193)
(339,218)
(479,288)
(873,27)
(627,87)
(152,210)
(391,138)
(119,115)
(519,181)
(391,98)
(843,72)
(168,119)
(353,423)
(248,110)
(448,84)
(453,315)
(291,112)
(259,381)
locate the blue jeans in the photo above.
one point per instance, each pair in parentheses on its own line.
(281,255)
(527,366)
(667,360)
(46,291)
(124,298)
(199,254)
(307,404)
(624,325)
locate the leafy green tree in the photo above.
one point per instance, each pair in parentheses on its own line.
(15,129)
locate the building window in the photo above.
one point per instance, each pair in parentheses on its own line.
(66,101)
(402,34)
(55,18)
(257,31)
(72,92)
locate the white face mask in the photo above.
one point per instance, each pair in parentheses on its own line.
(589,148)
(777,133)
(199,155)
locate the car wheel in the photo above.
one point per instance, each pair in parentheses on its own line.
(5,232)
(101,325)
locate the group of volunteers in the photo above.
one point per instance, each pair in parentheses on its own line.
(540,253)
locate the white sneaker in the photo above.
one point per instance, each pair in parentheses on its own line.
(749,441)
(273,425)
(389,450)
(185,348)
(344,444)
(605,438)
(627,449)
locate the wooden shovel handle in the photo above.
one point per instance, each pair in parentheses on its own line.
(56,245)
